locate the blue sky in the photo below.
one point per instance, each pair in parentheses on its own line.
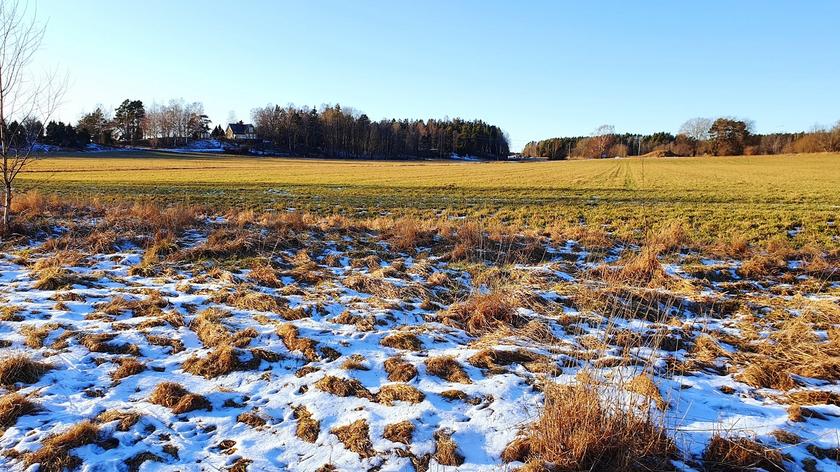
(536,68)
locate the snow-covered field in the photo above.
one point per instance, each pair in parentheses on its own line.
(316,347)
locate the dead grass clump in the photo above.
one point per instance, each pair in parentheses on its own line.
(740,454)
(399,370)
(13,406)
(54,454)
(407,234)
(307,428)
(644,385)
(355,437)
(266,275)
(34,335)
(579,431)
(304,269)
(766,374)
(439,279)
(127,367)
(293,342)
(11,313)
(252,419)
(246,299)
(373,285)
(446,451)
(355,362)
(210,330)
(175,344)
(482,313)
(402,340)
(20,368)
(125,419)
(223,360)
(55,278)
(175,397)
(102,342)
(813,397)
(388,394)
(343,387)
(447,368)
(224,243)
(401,432)
(493,359)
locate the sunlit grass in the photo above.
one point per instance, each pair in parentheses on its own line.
(758,196)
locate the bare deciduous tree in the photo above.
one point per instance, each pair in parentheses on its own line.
(697,131)
(25,99)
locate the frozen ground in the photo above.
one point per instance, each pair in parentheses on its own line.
(322,309)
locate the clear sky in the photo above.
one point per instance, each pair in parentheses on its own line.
(538,69)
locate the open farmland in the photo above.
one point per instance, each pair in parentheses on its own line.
(753,197)
(166,312)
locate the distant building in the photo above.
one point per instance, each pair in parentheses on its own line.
(240,131)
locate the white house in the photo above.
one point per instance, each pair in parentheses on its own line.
(240,131)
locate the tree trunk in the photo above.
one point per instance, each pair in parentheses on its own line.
(7,208)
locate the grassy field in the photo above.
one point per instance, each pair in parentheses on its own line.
(758,197)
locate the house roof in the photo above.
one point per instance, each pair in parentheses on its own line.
(241,128)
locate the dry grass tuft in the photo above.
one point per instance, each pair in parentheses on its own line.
(34,335)
(355,437)
(54,454)
(740,454)
(482,313)
(401,432)
(446,451)
(388,394)
(252,419)
(175,397)
(447,368)
(20,368)
(127,367)
(355,362)
(308,428)
(579,431)
(125,419)
(644,385)
(293,342)
(813,397)
(101,342)
(13,406)
(266,275)
(55,278)
(246,299)
(343,387)
(766,374)
(399,370)
(402,340)
(221,361)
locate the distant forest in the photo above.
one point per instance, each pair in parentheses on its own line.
(697,136)
(331,131)
(337,132)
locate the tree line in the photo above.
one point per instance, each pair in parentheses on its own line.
(698,136)
(334,131)
(331,131)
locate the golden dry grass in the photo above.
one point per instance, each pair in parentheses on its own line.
(447,368)
(390,393)
(355,437)
(725,454)
(13,406)
(175,397)
(19,368)
(579,431)
(307,428)
(343,387)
